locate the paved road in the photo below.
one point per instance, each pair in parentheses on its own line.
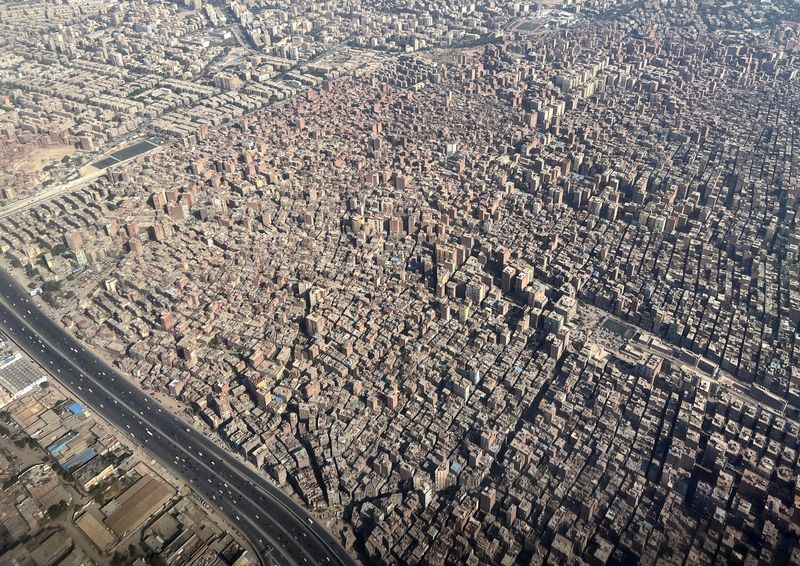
(56,191)
(280,530)
(48,194)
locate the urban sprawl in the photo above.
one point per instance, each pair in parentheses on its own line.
(476,283)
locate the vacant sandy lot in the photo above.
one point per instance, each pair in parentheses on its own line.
(40,157)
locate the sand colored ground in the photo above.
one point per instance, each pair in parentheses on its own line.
(40,157)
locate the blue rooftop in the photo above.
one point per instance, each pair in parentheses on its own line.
(76,408)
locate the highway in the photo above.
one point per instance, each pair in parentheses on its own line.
(50,193)
(281,532)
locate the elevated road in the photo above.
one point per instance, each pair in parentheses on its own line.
(281,532)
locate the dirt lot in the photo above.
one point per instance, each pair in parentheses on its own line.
(40,157)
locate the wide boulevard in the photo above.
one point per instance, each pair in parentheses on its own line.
(279,529)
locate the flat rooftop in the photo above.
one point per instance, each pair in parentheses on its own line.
(18,377)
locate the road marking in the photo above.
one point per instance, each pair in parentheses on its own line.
(167,441)
(266,489)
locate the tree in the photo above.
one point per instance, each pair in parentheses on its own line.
(51,286)
(57,509)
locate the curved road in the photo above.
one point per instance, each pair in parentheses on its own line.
(281,532)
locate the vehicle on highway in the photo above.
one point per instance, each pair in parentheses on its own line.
(162,435)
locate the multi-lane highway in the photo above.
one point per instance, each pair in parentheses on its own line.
(50,193)
(279,529)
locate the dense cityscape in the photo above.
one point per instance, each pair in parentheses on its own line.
(470,283)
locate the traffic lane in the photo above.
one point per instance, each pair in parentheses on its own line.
(130,421)
(162,448)
(294,523)
(93,366)
(305,545)
(205,484)
(281,519)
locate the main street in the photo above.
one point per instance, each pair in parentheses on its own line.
(279,529)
